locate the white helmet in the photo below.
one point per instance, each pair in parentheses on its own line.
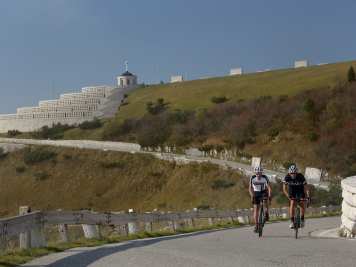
(258,169)
(293,169)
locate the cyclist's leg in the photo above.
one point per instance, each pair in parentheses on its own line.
(256,209)
(292,208)
(255,216)
(291,212)
(302,212)
(266,203)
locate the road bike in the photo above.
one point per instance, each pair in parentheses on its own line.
(261,217)
(297,215)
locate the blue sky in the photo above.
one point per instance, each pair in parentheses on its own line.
(54,46)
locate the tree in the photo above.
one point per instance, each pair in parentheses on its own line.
(156,108)
(351,76)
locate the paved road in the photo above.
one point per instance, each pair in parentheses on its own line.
(225,248)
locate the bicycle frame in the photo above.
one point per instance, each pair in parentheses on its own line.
(261,217)
(297,218)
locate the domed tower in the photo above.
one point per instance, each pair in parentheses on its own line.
(127,79)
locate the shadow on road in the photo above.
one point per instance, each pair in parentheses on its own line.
(88,257)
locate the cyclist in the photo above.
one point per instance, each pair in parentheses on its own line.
(259,189)
(295,187)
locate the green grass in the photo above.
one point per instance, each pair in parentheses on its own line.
(197,94)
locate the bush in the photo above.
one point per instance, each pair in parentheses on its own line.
(3,154)
(351,76)
(113,165)
(41,176)
(38,154)
(203,207)
(222,184)
(94,124)
(153,131)
(67,156)
(20,169)
(273,132)
(313,137)
(219,99)
(13,133)
(54,132)
(158,107)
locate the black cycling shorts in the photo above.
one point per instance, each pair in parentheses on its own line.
(296,194)
(259,196)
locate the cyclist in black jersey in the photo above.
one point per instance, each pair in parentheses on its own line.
(295,187)
(259,189)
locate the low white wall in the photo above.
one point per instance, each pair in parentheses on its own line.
(348,218)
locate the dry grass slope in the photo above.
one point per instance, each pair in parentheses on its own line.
(113,181)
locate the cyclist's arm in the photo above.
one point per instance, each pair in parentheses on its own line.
(285,190)
(269,188)
(250,189)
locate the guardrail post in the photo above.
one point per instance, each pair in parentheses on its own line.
(37,234)
(148,227)
(132,226)
(211,221)
(91,231)
(63,233)
(25,238)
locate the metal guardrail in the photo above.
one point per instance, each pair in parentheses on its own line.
(15,226)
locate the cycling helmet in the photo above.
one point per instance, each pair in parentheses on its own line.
(258,169)
(293,169)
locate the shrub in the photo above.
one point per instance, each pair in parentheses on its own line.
(12,133)
(20,169)
(3,154)
(156,108)
(38,154)
(203,207)
(94,124)
(313,137)
(67,156)
(222,184)
(309,106)
(273,132)
(54,132)
(219,99)
(351,76)
(112,165)
(41,176)
(153,131)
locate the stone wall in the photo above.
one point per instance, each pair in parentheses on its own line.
(348,218)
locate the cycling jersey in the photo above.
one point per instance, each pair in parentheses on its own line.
(259,184)
(295,185)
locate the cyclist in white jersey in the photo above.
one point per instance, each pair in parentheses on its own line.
(259,189)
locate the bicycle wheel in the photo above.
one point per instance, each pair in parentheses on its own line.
(297,221)
(261,220)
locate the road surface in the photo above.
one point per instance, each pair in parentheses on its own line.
(224,248)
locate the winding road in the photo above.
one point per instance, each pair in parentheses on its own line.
(223,248)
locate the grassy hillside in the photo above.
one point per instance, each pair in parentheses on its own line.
(192,95)
(53,178)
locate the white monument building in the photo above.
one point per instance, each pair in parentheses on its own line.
(236,71)
(72,108)
(177,79)
(300,64)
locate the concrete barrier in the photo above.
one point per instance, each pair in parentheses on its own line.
(348,218)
